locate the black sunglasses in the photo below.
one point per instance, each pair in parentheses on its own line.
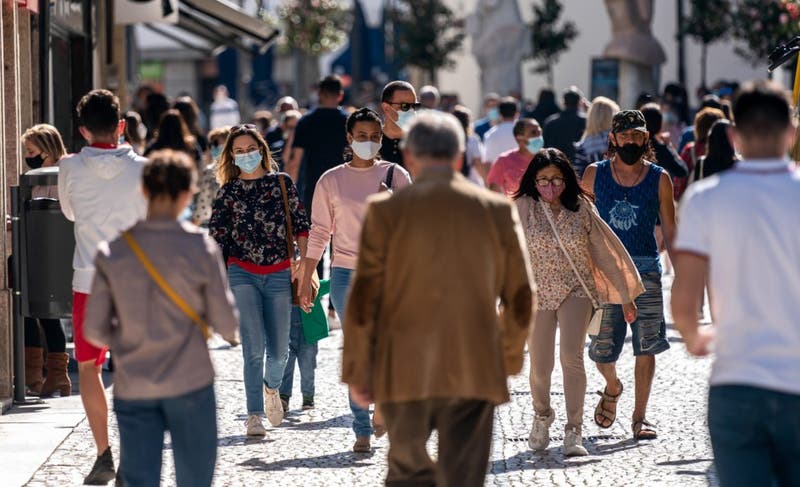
(404,107)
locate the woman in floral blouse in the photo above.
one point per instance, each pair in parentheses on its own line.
(249,223)
(549,191)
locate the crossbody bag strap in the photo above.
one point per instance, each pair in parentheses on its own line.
(164,285)
(289,227)
(390,176)
(566,254)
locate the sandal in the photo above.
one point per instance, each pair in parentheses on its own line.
(644,430)
(602,412)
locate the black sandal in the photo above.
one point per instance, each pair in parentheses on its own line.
(644,430)
(604,413)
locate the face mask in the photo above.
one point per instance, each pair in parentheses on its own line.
(366,150)
(550,193)
(141,130)
(630,153)
(216,151)
(493,114)
(405,118)
(248,162)
(34,162)
(121,139)
(535,144)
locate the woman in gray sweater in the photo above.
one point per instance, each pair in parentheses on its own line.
(164,379)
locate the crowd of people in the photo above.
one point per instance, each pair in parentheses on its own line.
(225,232)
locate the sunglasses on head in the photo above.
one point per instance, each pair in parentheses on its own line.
(244,126)
(404,107)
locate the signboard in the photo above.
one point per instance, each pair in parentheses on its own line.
(145,11)
(605,78)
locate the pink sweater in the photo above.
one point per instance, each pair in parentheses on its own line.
(339,206)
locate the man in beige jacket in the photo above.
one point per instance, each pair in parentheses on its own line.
(423,337)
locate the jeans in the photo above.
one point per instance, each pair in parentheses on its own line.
(340,285)
(754,435)
(265,307)
(306,356)
(192,424)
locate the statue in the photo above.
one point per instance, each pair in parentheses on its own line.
(631,38)
(500,41)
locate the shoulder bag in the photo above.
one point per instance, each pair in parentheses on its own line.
(290,249)
(386,184)
(597,313)
(168,290)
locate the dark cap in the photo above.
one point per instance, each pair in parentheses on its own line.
(627,120)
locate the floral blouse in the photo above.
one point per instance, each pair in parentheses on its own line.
(205,196)
(248,220)
(555,279)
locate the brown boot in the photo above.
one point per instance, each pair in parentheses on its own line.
(33,370)
(57,377)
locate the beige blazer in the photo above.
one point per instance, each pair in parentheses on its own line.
(422,318)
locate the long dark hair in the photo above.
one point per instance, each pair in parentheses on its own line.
(189,111)
(573,191)
(173,134)
(649,150)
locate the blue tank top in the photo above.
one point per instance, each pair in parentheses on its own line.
(631,212)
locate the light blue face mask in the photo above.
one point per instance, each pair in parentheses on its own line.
(405,118)
(493,114)
(248,162)
(535,144)
(216,151)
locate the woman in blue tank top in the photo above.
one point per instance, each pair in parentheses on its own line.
(632,194)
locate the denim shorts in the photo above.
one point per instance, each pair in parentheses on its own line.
(649,330)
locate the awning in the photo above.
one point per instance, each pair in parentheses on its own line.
(223,22)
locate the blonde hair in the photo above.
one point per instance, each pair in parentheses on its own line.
(220,132)
(227,170)
(601,113)
(47,139)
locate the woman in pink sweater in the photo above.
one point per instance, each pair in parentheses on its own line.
(337,210)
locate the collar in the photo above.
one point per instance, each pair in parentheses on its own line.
(101,145)
(765,166)
(443,173)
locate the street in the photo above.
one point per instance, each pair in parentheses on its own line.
(313,448)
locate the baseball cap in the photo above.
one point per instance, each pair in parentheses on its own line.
(627,120)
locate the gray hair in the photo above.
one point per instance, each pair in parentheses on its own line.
(435,135)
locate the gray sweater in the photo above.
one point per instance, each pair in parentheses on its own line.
(159,351)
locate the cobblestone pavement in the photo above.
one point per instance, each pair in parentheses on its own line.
(314,448)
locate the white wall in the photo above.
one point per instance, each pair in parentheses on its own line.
(593,25)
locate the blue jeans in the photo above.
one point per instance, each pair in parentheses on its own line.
(265,307)
(192,424)
(340,285)
(754,434)
(306,356)
(649,330)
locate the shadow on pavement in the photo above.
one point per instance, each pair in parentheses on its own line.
(341,460)
(343,421)
(548,459)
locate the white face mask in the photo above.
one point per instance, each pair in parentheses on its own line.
(366,150)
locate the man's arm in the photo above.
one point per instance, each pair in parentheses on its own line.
(587,182)
(518,295)
(666,210)
(363,306)
(293,164)
(691,270)
(63,193)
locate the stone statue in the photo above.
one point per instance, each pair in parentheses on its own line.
(500,41)
(631,38)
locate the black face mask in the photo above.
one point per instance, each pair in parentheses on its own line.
(34,162)
(631,153)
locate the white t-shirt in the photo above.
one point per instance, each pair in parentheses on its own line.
(474,151)
(747,223)
(498,140)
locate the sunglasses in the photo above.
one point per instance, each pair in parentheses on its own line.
(244,126)
(556,181)
(404,107)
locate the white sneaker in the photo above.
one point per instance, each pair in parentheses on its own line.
(273,406)
(254,426)
(540,433)
(333,322)
(573,444)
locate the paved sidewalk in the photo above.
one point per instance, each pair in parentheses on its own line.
(314,448)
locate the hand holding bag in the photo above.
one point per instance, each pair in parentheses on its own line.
(290,250)
(597,314)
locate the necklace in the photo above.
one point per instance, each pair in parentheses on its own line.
(621,183)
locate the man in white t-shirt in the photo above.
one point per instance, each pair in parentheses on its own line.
(740,229)
(224,109)
(501,137)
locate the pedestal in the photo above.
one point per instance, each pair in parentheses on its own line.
(634,79)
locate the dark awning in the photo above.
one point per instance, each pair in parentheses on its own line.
(223,22)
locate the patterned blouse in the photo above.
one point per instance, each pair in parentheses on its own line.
(205,196)
(248,221)
(555,279)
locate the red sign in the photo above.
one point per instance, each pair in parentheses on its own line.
(31,5)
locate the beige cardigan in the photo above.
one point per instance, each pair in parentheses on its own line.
(615,275)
